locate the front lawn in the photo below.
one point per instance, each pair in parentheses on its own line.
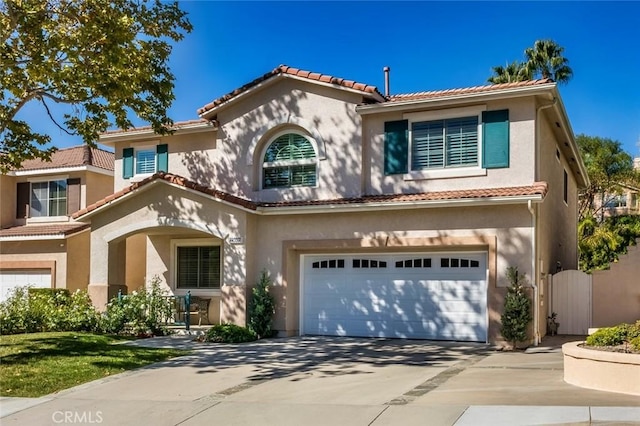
(37,364)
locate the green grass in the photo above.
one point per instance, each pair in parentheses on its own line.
(38,364)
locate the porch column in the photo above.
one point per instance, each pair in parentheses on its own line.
(233,306)
(107,271)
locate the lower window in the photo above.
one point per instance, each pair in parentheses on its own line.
(198,267)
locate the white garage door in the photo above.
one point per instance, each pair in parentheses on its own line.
(9,279)
(439,296)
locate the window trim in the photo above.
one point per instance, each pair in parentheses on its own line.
(445,172)
(302,162)
(42,219)
(194,242)
(136,150)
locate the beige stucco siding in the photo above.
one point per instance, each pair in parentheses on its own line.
(78,254)
(163,209)
(95,187)
(24,253)
(406,230)
(521,153)
(7,200)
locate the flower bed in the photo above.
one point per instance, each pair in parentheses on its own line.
(601,370)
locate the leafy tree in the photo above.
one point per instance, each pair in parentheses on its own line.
(610,171)
(103,59)
(601,243)
(545,60)
(261,307)
(516,315)
(513,72)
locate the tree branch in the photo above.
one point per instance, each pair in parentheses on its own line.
(54,120)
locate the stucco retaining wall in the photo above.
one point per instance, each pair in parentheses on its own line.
(601,370)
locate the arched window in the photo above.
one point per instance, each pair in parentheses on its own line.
(290,160)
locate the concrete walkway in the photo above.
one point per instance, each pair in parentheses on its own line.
(333,381)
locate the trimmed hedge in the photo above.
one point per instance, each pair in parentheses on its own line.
(230,333)
(618,335)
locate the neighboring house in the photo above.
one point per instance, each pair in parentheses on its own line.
(375,215)
(40,245)
(627,202)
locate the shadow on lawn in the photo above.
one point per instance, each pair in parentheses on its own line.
(325,356)
(98,347)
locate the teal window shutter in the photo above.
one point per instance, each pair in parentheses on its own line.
(495,139)
(396,147)
(162,158)
(127,163)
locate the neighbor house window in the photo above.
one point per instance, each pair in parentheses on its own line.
(444,143)
(289,161)
(48,198)
(198,266)
(617,201)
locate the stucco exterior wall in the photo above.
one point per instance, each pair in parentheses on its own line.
(404,230)
(521,153)
(25,252)
(7,201)
(78,254)
(616,292)
(95,186)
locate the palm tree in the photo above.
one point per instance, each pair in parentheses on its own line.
(545,60)
(513,72)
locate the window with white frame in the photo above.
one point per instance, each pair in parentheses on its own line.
(198,266)
(145,161)
(444,143)
(290,160)
(48,198)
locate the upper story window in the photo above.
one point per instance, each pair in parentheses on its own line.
(290,160)
(447,143)
(47,198)
(144,160)
(444,143)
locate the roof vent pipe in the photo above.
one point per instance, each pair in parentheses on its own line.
(386,80)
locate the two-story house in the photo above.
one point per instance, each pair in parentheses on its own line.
(375,214)
(40,245)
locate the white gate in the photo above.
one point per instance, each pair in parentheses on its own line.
(571,293)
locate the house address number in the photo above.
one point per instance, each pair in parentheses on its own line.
(236,240)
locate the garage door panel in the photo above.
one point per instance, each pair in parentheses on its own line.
(413,301)
(12,278)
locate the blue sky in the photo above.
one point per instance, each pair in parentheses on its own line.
(428,45)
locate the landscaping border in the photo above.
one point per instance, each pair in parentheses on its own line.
(601,370)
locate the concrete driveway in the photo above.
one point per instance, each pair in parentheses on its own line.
(332,381)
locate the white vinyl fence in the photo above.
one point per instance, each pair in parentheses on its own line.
(571,293)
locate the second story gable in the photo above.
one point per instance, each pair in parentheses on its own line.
(292,135)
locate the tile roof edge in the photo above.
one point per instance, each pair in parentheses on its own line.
(286,70)
(539,188)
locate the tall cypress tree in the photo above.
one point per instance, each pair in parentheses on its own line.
(517,309)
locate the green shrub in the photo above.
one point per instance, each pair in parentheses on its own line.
(612,336)
(635,343)
(144,311)
(29,310)
(230,333)
(261,307)
(516,315)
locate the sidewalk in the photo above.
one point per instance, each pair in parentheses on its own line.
(324,381)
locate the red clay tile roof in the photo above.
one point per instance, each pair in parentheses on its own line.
(287,70)
(176,126)
(61,230)
(76,156)
(464,91)
(538,188)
